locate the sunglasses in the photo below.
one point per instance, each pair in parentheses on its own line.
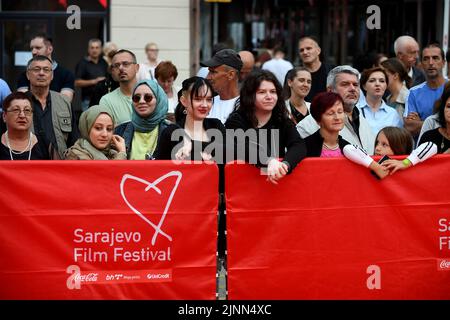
(147,98)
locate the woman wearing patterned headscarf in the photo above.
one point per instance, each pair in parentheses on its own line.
(142,133)
(97,140)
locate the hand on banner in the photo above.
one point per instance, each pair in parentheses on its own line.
(381,171)
(394,165)
(276,170)
(185,151)
(206,156)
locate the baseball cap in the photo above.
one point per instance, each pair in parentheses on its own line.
(227,57)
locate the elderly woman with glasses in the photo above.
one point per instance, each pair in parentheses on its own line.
(142,133)
(18,142)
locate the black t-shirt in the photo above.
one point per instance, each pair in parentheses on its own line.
(167,146)
(289,146)
(437,138)
(38,152)
(314,144)
(298,116)
(88,70)
(62,79)
(43,124)
(318,81)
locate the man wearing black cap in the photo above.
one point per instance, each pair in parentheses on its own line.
(224,68)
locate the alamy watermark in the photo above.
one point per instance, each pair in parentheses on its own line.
(254,146)
(74,20)
(374,21)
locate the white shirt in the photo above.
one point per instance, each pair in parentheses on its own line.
(221,109)
(174,100)
(146,71)
(279,67)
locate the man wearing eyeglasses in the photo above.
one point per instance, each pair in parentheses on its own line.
(123,68)
(63,80)
(52,116)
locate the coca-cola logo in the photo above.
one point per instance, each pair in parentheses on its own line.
(76,278)
(444,264)
(90,277)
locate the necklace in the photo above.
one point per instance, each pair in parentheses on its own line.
(331,148)
(11,151)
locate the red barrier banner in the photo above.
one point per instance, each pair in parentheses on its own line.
(107,230)
(330,230)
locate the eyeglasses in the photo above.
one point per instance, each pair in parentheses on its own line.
(125,64)
(147,98)
(38,70)
(17,111)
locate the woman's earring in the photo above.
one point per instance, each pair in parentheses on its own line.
(184,111)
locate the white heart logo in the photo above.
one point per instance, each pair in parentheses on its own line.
(149,186)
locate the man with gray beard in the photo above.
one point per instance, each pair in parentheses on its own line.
(344,80)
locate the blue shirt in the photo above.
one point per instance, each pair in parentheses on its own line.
(385,116)
(4,92)
(421,99)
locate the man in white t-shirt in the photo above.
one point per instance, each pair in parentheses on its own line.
(224,68)
(277,65)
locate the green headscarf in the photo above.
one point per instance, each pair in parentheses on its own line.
(87,120)
(158,115)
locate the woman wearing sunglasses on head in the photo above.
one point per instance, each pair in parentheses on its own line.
(142,133)
(18,142)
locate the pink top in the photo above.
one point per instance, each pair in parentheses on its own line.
(331,153)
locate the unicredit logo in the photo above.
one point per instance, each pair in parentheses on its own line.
(158,276)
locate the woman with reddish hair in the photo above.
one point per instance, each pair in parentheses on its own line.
(166,73)
(327,109)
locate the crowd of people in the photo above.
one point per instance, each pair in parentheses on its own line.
(133,110)
(277,114)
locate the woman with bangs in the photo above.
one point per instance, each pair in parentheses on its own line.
(193,136)
(392,141)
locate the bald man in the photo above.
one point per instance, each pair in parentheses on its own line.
(407,51)
(248,63)
(309,51)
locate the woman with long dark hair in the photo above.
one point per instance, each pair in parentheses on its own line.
(264,119)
